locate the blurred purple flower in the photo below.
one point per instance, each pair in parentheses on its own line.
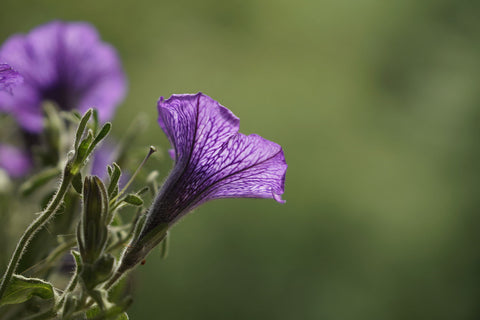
(104,156)
(9,78)
(65,63)
(15,162)
(212,159)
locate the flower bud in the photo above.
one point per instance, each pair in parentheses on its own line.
(92,231)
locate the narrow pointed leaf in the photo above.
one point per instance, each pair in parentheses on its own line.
(100,136)
(114,177)
(82,150)
(95,121)
(133,199)
(81,127)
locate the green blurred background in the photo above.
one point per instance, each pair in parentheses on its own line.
(377,106)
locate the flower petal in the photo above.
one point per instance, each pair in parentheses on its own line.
(66,63)
(9,78)
(212,159)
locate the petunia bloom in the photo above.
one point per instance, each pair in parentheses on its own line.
(66,63)
(212,160)
(9,78)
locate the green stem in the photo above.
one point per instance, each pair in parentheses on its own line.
(33,228)
(70,287)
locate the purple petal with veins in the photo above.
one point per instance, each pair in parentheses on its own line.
(212,159)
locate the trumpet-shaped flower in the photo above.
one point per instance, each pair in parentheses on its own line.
(212,160)
(65,63)
(8,78)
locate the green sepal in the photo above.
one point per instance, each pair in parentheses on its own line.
(152,182)
(139,226)
(140,246)
(103,268)
(38,180)
(21,289)
(165,246)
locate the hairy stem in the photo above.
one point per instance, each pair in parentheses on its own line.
(34,227)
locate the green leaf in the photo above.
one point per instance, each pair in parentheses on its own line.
(133,199)
(82,150)
(114,177)
(81,127)
(22,289)
(95,121)
(143,190)
(38,180)
(100,136)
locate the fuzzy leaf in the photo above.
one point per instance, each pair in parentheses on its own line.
(114,177)
(81,127)
(100,136)
(22,289)
(133,199)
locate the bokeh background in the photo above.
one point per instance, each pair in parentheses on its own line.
(377,106)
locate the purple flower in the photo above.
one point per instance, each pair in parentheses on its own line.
(13,161)
(9,78)
(65,63)
(212,160)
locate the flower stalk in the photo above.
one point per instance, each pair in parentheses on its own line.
(35,226)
